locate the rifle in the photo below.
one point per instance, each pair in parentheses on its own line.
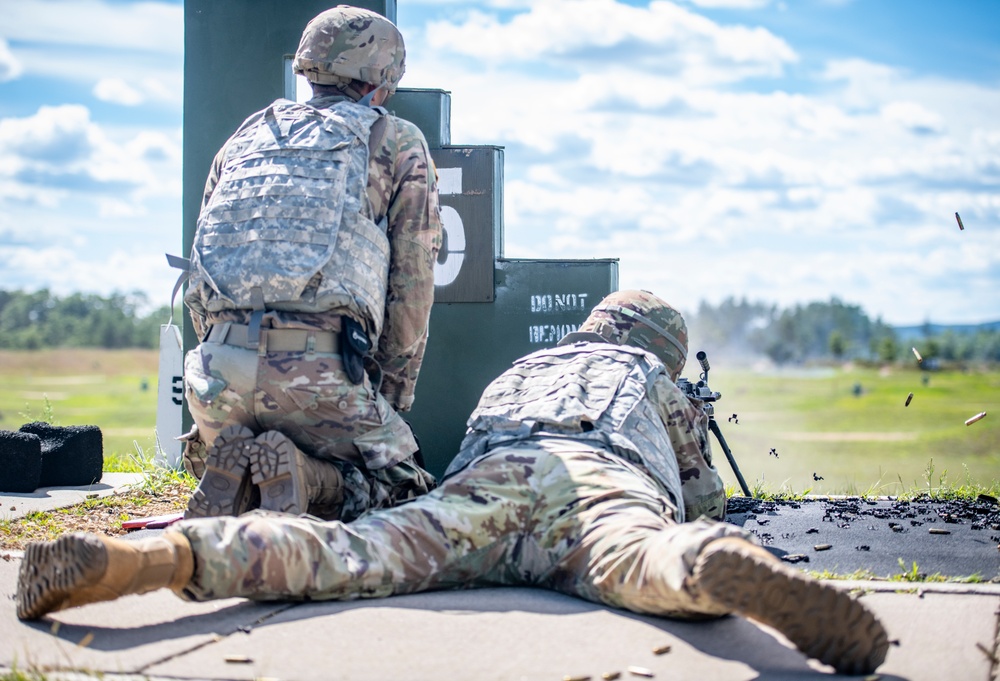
(701,392)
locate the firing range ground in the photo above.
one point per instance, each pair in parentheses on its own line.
(953,538)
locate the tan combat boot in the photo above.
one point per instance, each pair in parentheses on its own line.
(823,622)
(292,482)
(77,569)
(225,488)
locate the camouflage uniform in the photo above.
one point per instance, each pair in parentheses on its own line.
(307,396)
(577,511)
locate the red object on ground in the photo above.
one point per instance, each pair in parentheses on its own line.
(155,522)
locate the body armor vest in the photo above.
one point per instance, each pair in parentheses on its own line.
(587,391)
(289,225)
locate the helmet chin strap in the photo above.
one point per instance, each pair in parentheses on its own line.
(367,99)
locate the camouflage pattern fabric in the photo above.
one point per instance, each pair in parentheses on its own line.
(350,43)
(402,188)
(584,391)
(548,513)
(195,452)
(289,225)
(308,397)
(619,320)
(623,397)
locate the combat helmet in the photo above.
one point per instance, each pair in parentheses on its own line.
(640,319)
(349,43)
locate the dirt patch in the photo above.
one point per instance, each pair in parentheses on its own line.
(100,516)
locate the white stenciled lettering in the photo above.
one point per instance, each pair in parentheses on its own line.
(549,334)
(551,303)
(541,303)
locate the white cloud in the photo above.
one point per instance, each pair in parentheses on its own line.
(63,141)
(10,67)
(591,35)
(55,135)
(731,4)
(67,271)
(913,116)
(117,91)
(141,26)
(81,210)
(123,51)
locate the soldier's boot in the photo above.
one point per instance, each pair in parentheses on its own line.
(225,489)
(823,622)
(292,482)
(77,569)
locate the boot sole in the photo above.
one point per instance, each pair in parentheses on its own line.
(275,471)
(823,622)
(225,487)
(52,571)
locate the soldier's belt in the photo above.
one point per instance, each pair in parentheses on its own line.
(274,340)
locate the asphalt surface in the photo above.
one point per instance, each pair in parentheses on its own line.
(885,536)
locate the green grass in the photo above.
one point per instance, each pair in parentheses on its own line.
(85,387)
(908,574)
(16,674)
(866,445)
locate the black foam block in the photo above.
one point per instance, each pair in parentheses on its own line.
(20,461)
(72,456)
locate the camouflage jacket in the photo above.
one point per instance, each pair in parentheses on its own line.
(402,185)
(550,394)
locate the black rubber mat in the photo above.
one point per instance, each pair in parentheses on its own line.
(885,536)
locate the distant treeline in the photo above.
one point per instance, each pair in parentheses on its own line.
(834,331)
(32,321)
(813,332)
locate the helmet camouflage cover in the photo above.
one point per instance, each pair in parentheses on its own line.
(640,319)
(349,43)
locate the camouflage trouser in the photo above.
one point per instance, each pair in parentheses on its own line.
(308,397)
(555,514)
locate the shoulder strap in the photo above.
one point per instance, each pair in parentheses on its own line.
(377,134)
(183,264)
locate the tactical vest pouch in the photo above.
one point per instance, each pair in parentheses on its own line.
(354,347)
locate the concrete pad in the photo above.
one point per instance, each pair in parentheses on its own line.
(938,633)
(500,633)
(49,498)
(123,636)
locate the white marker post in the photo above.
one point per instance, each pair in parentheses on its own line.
(170,396)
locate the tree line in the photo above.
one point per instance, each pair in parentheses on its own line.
(819,331)
(824,331)
(32,321)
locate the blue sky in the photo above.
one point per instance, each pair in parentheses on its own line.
(780,151)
